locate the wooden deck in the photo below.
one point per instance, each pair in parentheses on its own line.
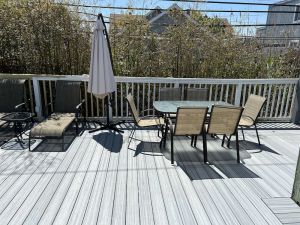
(98,180)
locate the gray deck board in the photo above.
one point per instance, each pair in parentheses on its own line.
(83,197)
(107,203)
(287,211)
(145,202)
(98,180)
(132,189)
(43,203)
(95,199)
(119,207)
(159,206)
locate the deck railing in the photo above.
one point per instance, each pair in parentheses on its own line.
(280,93)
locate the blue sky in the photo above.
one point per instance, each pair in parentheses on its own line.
(233,18)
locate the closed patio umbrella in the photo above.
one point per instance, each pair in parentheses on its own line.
(101,76)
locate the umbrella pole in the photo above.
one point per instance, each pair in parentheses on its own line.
(107,109)
(108,125)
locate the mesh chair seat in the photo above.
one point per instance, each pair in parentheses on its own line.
(249,117)
(246,121)
(54,125)
(145,122)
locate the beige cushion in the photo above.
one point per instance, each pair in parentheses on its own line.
(148,122)
(246,121)
(53,126)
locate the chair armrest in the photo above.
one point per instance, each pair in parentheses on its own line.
(78,108)
(146,110)
(20,105)
(47,106)
(80,104)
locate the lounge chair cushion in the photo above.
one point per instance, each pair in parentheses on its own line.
(54,125)
(148,122)
(246,121)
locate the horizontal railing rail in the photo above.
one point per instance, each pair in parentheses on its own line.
(280,93)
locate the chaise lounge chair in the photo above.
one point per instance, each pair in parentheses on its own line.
(12,97)
(67,109)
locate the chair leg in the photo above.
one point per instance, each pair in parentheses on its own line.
(223,140)
(228,142)
(243,133)
(172,150)
(195,141)
(62,142)
(192,140)
(131,136)
(159,128)
(204,147)
(257,134)
(165,135)
(76,124)
(29,140)
(237,147)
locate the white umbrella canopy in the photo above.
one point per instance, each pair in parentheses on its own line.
(101,76)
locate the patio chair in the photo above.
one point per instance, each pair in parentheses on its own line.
(170,94)
(197,94)
(12,97)
(67,109)
(143,122)
(252,109)
(224,121)
(189,122)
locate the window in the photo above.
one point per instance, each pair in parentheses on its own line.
(294,43)
(297,13)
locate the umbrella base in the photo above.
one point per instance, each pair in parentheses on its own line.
(109,126)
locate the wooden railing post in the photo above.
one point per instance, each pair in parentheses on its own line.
(296,107)
(37,97)
(238,93)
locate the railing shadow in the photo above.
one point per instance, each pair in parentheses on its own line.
(275,126)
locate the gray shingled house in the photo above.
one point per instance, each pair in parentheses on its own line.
(282,30)
(158,18)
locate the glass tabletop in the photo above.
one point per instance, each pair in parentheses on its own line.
(17,116)
(171,106)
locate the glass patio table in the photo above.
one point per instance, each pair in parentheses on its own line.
(18,119)
(170,107)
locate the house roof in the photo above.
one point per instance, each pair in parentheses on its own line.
(174,6)
(284,1)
